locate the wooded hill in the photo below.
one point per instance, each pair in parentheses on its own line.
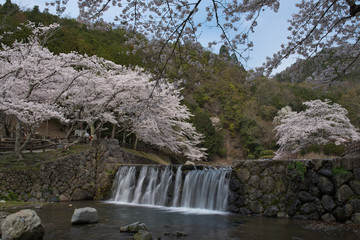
(236,116)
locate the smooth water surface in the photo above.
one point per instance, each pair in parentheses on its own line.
(208,225)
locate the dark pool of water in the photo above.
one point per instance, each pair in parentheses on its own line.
(57,221)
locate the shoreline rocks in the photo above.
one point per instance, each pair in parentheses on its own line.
(23,225)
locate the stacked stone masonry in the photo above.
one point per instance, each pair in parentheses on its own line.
(327,190)
(84,176)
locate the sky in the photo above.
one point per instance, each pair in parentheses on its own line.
(270,33)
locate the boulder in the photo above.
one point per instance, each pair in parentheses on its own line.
(245,211)
(23,225)
(134,227)
(81,194)
(271,211)
(256,207)
(341,179)
(254,194)
(3,215)
(325,172)
(307,208)
(343,193)
(343,213)
(84,216)
(254,181)
(304,196)
(65,197)
(355,186)
(356,218)
(243,175)
(355,203)
(267,185)
(143,235)
(328,217)
(325,185)
(292,205)
(234,185)
(328,203)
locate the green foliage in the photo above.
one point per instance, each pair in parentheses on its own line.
(331,149)
(267,154)
(300,169)
(340,171)
(11,196)
(213,140)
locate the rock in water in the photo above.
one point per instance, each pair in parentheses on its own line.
(84,216)
(134,227)
(143,235)
(23,225)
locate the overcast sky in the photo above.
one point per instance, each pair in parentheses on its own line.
(270,33)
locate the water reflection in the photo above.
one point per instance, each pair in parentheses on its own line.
(56,219)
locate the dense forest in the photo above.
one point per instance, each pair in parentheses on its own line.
(235,115)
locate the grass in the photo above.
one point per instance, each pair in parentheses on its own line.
(35,159)
(153,157)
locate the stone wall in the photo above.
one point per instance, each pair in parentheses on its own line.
(327,190)
(87,175)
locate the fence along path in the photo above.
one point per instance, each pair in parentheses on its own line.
(8,144)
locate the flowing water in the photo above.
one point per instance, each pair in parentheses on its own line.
(204,189)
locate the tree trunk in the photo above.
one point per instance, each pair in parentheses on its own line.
(18,139)
(124,139)
(113,131)
(136,142)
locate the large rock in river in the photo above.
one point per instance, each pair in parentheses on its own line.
(84,216)
(23,225)
(134,227)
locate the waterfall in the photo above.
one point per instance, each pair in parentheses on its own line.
(172,187)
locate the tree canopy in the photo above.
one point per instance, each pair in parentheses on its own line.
(318,25)
(319,124)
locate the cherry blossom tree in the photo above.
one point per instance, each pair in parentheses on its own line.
(317,26)
(38,85)
(31,79)
(319,124)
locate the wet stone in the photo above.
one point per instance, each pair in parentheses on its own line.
(343,193)
(355,186)
(307,208)
(325,172)
(328,203)
(325,185)
(304,196)
(271,211)
(243,175)
(328,217)
(343,213)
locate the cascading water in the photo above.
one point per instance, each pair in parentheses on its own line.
(206,189)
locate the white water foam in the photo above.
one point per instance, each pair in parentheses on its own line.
(202,191)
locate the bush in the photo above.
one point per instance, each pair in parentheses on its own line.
(267,154)
(331,149)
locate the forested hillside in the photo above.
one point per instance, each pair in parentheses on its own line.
(235,115)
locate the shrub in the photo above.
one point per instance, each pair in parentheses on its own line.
(334,150)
